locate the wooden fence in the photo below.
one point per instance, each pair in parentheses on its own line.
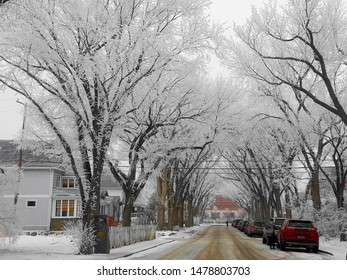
(122,236)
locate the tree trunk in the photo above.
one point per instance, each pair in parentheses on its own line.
(189,221)
(162,194)
(339,195)
(175,214)
(127,210)
(181,213)
(170,212)
(131,192)
(170,202)
(315,190)
(277,201)
(90,209)
(160,209)
(288,204)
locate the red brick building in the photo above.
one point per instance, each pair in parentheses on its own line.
(222,208)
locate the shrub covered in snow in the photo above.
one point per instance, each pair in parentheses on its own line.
(8,230)
(331,222)
(9,177)
(82,236)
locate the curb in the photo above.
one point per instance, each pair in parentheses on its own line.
(325,252)
(145,249)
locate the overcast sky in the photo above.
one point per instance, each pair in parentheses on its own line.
(11,112)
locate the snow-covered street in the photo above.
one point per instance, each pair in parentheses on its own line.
(59,247)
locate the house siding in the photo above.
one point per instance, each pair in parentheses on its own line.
(35,182)
(34,203)
(33,218)
(35,186)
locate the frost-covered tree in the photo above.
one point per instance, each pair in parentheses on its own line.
(260,164)
(202,188)
(300,45)
(160,129)
(181,184)
(295,54)
(187,146)
(78,63)
(320,135)
(336,172)
(304,121)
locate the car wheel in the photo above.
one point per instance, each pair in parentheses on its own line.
(315,250)
(282,246)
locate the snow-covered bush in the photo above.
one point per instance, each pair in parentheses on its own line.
(82,236)
(8,230)
(9,177)
(331,222)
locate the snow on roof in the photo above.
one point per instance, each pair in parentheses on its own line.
(114,193)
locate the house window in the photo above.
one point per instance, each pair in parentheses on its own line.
(31,203)
(69,183)
(66,208)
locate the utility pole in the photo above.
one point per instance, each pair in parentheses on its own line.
(20,160)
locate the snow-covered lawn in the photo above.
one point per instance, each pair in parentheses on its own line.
(334,246)
(59,247)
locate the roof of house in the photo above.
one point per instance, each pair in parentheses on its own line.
(9,155)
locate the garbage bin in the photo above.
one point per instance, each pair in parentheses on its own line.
(102,238)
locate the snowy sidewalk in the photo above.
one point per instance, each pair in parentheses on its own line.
(162,239)
(127,251)
(59,247)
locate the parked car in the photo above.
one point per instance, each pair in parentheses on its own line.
(239,224)
(255,228)
(298,233)
(246,226)
(273,225)
(235,222)
(243,225)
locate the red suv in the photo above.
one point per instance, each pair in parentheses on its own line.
(298,233)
